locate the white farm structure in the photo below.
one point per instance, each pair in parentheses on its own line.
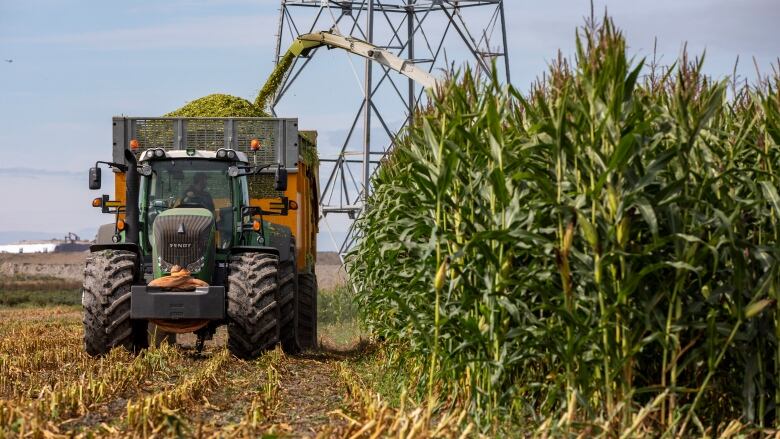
(29,247)
(71,243)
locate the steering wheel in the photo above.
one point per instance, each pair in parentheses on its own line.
(191,205)
(189,202)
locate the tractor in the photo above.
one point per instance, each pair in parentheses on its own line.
(230,202)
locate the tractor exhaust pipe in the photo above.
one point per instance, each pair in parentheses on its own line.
(132,215)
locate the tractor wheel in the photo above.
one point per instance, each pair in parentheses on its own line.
(253,314)
(108,276)
(307,310)
(288,285)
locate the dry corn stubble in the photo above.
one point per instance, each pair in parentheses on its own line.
(50,386)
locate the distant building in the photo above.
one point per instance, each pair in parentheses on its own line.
(71,243)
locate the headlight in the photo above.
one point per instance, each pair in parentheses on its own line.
(221,154)
(165,267)
(231,155)
(159,153)
(197,265)
(194,267)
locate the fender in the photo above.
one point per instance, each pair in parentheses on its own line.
(237,250)
(127,246)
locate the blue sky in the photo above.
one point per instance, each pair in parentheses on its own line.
(77,63)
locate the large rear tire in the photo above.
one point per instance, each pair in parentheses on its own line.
(307,310)
(253,314)
(108,276)
(288,286)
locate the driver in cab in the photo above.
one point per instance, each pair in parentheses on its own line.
(197,193)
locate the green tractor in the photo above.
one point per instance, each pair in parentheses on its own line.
(183,203)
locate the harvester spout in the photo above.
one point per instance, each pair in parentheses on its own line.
(306,43)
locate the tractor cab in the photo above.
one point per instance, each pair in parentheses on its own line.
(204,196)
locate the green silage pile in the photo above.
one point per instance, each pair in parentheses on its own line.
(222,105)
(219,105)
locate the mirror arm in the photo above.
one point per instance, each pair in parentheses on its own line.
(254,170)
(119,166)
(258,169)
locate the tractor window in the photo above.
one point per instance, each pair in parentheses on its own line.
(192,183)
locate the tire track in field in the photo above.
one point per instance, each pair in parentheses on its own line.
(291,394)
(309,390)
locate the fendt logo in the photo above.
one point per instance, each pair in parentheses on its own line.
(180,245)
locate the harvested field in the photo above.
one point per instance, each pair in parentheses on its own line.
(48,384)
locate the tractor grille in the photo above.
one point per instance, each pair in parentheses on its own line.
(182,239)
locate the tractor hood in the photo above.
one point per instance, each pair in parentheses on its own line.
(184,237)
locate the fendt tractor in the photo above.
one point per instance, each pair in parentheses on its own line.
(225,208)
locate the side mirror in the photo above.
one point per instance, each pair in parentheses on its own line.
(94,178)
(280,179)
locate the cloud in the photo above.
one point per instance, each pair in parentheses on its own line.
(194,33)
(35,173)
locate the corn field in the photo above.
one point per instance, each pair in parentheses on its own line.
(597,256)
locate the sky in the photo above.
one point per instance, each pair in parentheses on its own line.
(75,64)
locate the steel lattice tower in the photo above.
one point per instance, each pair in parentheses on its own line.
(436,35)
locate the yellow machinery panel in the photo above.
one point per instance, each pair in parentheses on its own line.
(301,188)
